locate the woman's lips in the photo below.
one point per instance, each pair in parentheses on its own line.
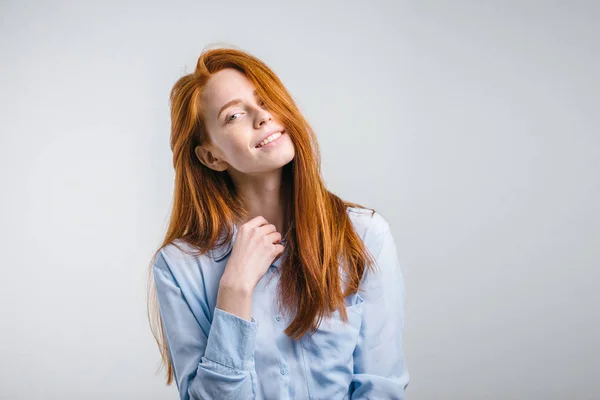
(274,142)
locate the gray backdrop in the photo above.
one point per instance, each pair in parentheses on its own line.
(471,125)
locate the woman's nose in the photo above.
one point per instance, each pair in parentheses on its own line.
(263,117)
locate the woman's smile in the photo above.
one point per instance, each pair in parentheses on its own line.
(276,139)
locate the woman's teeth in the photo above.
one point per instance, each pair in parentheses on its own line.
(269,139)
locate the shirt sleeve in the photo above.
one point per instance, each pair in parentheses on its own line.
(380,370)
(211,360)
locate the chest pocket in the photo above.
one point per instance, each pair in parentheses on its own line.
(329,350)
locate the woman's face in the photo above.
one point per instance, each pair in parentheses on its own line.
(237,122)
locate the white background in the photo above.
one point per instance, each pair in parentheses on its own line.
(472,126)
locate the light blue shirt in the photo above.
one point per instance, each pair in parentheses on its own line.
(218,355)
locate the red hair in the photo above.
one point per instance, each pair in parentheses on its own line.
(320,235)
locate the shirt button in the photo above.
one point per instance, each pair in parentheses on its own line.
(283,372)
(278,318)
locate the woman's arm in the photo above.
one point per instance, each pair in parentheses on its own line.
(380,370)
(211,360)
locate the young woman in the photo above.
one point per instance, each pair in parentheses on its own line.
(267,285)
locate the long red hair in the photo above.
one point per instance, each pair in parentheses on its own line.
(320,235)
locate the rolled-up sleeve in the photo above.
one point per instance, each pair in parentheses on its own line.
(211,359)
(380,370)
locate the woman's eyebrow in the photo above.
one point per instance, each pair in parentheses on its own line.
(232,102)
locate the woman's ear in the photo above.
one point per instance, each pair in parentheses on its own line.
(207,158)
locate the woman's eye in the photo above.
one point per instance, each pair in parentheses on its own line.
(230,118)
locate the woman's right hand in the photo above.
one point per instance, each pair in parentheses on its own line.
(256,245)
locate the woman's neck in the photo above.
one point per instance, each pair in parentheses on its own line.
(263,195)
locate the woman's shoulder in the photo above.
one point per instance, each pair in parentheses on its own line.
(368,223)
(173,254)
(180,254)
